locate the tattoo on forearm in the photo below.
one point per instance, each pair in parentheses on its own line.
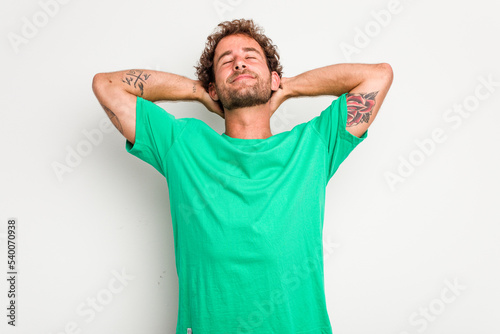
(114,119)
(359,107)
(138,78)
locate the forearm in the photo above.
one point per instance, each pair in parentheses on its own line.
(151,85)
(335,79)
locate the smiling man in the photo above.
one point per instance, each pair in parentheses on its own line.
(247,206)
(242,87)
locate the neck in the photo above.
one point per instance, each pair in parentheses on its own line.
(248,123)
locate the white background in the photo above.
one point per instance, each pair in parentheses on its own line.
(390,248)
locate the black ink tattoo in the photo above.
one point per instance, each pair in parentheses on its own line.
(194,88)
(359,107)
(138,78)
(114,119)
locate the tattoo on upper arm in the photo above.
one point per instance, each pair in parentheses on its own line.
(359,107)
(114,119)
(138,78)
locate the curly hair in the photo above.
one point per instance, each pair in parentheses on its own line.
(205,67)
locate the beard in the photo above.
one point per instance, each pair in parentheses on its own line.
(247,94)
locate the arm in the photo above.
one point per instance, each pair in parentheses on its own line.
(366,85)
(117,93)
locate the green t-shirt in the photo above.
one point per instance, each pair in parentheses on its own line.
(247,219)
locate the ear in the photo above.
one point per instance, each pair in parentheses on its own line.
(275,81)
(212,92)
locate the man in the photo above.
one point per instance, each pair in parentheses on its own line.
(247,206)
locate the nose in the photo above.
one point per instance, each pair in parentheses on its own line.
(239,64)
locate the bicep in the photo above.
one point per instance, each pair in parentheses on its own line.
(364,101)
(118,104)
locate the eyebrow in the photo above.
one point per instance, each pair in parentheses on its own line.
(228,52)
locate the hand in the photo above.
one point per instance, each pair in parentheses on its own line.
(211,105)
(279,96)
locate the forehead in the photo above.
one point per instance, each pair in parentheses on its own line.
(236,42)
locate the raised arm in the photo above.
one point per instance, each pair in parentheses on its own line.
(366,85)
(117,93)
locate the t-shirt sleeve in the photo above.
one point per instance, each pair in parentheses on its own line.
(331,127)
(155,132)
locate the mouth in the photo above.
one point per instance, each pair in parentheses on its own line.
(243,77)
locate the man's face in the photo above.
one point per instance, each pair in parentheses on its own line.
(242,78)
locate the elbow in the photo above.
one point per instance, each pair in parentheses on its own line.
(101,83)
(97,82)
(385,72)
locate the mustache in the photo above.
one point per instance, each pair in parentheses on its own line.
(236,74)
